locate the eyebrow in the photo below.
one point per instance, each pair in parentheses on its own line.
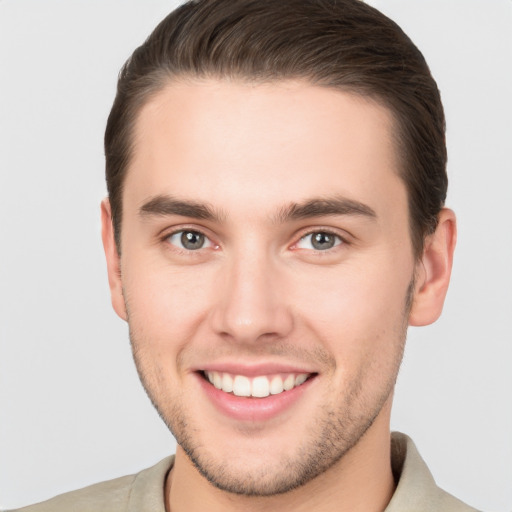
(163,205)
(319,207)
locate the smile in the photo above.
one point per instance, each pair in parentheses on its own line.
(258,387)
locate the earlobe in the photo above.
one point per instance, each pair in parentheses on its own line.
(113,260)
(434,271)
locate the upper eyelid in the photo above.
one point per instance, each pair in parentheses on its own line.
(166,233)
(177,250)
(169,231)
(341,234)
(342,242)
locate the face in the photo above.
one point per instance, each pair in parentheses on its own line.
(266,271)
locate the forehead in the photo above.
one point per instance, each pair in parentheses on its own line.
(236,143)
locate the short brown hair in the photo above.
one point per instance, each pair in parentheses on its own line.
(341,44)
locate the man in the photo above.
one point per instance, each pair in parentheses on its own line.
(275,221)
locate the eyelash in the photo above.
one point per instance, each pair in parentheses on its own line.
(341,241)
(188,252)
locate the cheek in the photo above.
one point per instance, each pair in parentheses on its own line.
(356,310)
(165,305)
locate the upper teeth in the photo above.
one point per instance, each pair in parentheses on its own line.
(260,386)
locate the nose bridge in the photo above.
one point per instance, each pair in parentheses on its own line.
(251,303)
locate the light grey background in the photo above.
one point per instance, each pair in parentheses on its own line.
(72,411)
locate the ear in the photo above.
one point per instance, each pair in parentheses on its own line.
(433,271)
(113,260)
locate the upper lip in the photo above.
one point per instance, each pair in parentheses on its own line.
(254,370)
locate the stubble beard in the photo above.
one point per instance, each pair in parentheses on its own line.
(327,441)
(324,445)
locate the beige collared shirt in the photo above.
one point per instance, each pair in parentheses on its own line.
(144,492)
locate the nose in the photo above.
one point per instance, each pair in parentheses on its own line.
(251,304)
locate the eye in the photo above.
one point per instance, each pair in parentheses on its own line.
(189,240)
(319,241)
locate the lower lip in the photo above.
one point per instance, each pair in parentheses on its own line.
(250,408)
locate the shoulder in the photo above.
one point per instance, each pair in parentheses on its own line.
(110,495)
(416,489)
(115,495)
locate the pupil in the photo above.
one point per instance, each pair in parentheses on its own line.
(322,241)
(192,240)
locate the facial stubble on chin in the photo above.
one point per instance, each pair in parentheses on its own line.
(327,441)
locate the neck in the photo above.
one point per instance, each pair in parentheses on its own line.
(361,481)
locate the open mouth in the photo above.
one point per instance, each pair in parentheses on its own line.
(259,386)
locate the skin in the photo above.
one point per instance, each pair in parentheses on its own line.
(259,292)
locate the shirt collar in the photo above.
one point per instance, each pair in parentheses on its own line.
(416,488)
